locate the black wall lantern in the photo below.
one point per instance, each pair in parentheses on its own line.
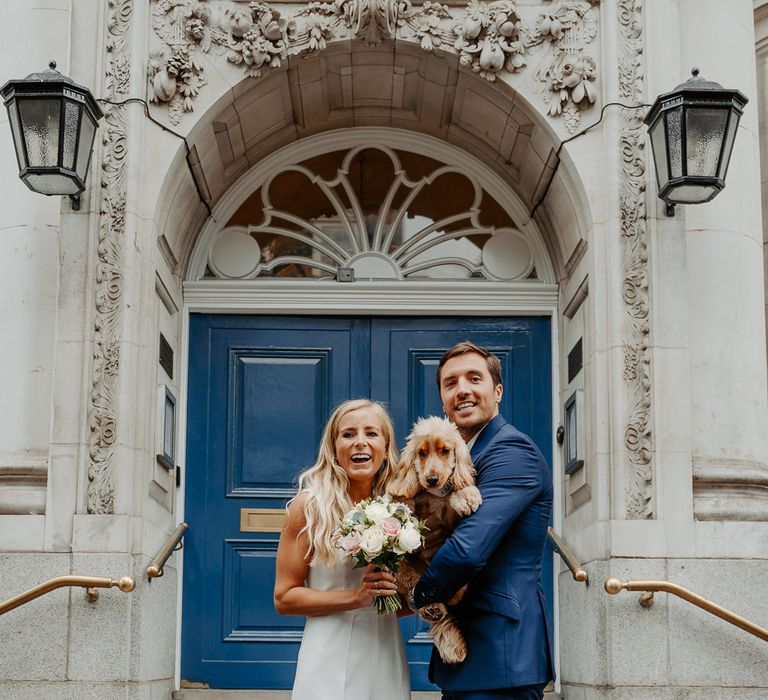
(54,122)
(692,130)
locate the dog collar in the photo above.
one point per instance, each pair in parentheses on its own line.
(441,493)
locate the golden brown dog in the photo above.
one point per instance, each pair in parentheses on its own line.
(436,479)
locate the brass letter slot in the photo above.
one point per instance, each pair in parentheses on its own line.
(261,519)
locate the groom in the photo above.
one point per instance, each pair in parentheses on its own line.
(497,550)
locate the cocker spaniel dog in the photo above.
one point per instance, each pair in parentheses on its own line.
(436,479)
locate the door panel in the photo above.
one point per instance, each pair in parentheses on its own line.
(404,358)
(260,391)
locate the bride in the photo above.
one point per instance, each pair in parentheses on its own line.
(348,651)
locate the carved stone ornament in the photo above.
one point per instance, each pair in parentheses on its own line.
(489,38)
(568,77)
(109,277)
(638,436)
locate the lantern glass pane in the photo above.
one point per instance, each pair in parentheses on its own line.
(730,135)
(50,183)
(705,129)
(16,131)
(691,194)
(673,120)
(71,126)
(40,121)
(84,147)
(659,146)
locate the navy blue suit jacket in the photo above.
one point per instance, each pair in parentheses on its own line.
(497,550)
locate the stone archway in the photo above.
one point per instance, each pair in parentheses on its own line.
(261,126)
(399,87)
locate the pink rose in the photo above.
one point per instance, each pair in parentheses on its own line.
(351,543)
(391,526)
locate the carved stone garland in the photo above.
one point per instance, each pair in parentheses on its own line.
(109,280)
(638,436)
(489,37)
(568,78)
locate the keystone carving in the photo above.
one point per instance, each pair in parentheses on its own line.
(490,38)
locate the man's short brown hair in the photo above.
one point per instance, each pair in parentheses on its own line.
(466,347)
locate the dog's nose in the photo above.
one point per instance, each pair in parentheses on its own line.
(431,480)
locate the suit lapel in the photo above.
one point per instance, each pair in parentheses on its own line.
(486,436)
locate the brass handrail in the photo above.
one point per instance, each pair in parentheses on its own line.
(614,586)
(90,583)
(155,569)
(579,572)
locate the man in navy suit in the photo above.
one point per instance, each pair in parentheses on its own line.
(496,550)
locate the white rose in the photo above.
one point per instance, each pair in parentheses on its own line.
(350,543)
(376,512)
(373,541)
(409,539)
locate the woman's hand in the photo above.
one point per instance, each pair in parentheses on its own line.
(376,582)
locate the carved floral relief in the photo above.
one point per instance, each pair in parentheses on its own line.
(490,38)
(568,78)
(638,434)
(103,407)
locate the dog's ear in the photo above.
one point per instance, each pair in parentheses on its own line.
(406,481)
(464,472)
(405,484)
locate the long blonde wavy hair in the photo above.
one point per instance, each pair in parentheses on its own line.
(326,482)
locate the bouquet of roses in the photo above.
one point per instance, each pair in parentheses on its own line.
(379,531)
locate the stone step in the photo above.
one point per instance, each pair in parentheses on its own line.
(207,694)
(198,694)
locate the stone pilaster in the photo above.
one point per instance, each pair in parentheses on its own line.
(29,251)
(725,283)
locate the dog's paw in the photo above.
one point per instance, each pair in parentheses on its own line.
(449,642)
(466,501)
(433,613)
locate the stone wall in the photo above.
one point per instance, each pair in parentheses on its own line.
(61,646)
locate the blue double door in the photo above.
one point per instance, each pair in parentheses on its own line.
(260,391)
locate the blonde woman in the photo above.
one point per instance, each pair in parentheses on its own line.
(348,651)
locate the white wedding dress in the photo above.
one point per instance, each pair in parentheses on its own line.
(355,655)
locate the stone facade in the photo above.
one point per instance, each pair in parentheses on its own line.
(670,311)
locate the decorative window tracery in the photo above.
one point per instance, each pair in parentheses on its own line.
(371,212)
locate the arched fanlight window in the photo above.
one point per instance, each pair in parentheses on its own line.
(371,212)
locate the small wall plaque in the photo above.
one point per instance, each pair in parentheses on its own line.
(165,356)
(572,444)
(575,360)
(166,427)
